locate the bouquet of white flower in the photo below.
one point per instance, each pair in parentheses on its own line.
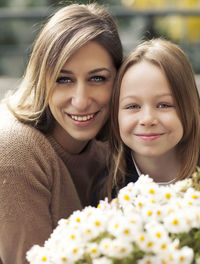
(147,223)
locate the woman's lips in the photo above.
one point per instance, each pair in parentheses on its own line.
(150,136)
(83,119)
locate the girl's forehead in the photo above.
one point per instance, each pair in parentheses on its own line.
(145,78)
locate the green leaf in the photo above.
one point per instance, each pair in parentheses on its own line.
(196,179)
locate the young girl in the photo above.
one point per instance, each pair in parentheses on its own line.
(155,116)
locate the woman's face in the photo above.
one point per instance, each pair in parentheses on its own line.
(80,99)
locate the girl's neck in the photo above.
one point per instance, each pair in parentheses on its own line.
(162,169)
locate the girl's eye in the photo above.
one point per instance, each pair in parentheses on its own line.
(63,80)
(164,105)
(98,79)
(133,106)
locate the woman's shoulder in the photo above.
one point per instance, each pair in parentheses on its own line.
(20,137)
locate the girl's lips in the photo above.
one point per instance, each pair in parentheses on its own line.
(149,137)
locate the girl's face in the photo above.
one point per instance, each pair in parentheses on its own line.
(148,120)
(80,99)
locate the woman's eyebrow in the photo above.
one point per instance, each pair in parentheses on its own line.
(90,72)
(98,70)
(66,71)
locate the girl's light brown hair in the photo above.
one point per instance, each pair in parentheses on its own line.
(66,31)
(174,63)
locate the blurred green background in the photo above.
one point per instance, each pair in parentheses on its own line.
(177,20)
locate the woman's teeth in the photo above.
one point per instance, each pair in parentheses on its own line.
(82,118)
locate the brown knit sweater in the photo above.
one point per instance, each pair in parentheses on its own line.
(39,184)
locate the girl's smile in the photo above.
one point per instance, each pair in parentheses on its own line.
(148,120)
(149,137)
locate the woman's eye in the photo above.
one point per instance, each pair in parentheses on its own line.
(98,78)
(164,105)
(63,80)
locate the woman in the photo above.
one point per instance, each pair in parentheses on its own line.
(156,119)
(50,159)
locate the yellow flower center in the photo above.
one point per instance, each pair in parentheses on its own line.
(149,213)
(126,231)
(97,223)
(158,235)
(194,196)
(126,197)
(142,238)
(150,244)
(163,246)
(168,195)
(175,222)
(151,191)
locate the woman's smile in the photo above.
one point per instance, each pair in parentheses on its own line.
(83,119)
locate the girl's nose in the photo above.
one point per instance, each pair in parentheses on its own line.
(148,117)
(81,99)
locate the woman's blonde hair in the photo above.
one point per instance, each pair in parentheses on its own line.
(66,31)
(171,59)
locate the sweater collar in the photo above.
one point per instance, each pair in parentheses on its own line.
(63,154)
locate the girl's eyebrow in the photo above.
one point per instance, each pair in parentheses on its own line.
(135,96)
(124,98)
(90,72)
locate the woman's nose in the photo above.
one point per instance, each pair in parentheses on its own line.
(148,117)
(81,98)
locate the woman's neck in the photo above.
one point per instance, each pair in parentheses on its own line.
(69,143)
(162,169)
